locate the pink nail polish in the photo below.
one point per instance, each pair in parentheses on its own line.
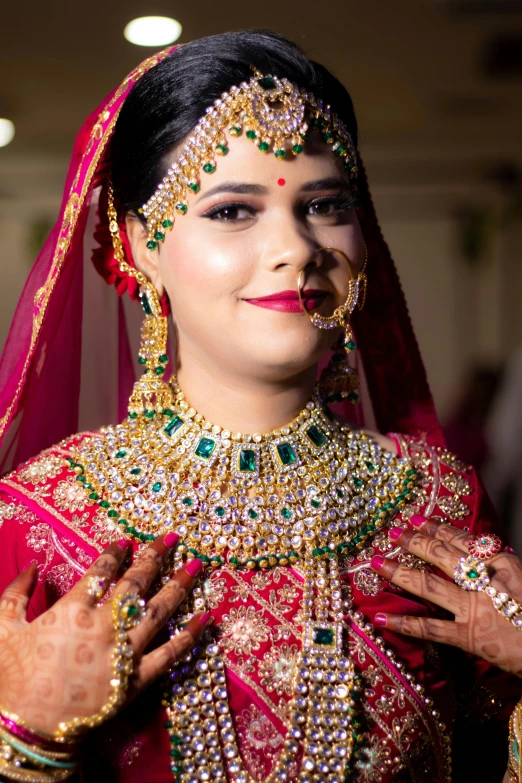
(509,550)
(171,539)
(194,567)
(395,533)
(203,620)
(379,619)
(123,543)
(377,561)
(417,520)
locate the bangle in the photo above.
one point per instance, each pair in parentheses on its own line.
(34,755)
(10,772)
(515,744)
(19,727)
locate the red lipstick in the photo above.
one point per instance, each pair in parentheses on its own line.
(288,301)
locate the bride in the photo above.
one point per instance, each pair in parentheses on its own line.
(205,576)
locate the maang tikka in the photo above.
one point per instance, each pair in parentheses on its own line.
(338,380)
(150,392)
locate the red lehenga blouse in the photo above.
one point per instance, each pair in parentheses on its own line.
(411,688)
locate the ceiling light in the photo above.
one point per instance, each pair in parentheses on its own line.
(152,31)
(7,132)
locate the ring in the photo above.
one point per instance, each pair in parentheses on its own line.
(128,610)
(97,587)
(471,573)
(486,546)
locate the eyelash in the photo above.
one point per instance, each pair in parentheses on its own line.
(342,203)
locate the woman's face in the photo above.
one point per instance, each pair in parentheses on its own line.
(254,225)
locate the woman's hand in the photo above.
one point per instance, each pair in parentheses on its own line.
(478,627)
(58,667)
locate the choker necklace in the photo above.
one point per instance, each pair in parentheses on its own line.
(305,494)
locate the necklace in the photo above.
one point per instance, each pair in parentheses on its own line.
(306,494)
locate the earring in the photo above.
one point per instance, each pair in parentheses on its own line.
(150,392)
(338,380)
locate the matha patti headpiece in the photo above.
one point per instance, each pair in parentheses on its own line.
(273,113)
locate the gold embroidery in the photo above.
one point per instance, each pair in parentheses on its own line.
(374,760)
(367,582)
(451,460)
(277,669)
(70,495)
(453,507)
(457,484)
(259,741)
(243,630)
(40,470)
(60,577)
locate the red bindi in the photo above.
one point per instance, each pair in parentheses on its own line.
(281,181)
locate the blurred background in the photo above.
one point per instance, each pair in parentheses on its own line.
(437,87)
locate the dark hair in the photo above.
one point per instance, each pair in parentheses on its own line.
(167,102)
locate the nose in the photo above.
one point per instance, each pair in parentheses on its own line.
(287,247)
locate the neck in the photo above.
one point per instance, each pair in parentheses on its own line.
(245,405)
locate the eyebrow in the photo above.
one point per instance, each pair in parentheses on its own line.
(251,188)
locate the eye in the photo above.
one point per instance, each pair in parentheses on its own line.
(331,206)
(230,213)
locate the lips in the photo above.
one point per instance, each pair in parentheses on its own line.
(288,301)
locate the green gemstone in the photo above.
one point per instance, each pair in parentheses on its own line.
(135,471)
(167,411)
(205,448)
(152,245)
(167,223)
(112,513)
(133,415)
(146,305)
(159,235)
(174,425)
(222,149)
(220,511)
(286,513)
(353,397)
(267,83)
(209,168)
(104,504)
(148,414)
(472,573)
(339,493)
(163,358)
(94,496)
(315,503)
(340,150)
(159,370)
(251,134)
(358,482)
(247,461)
(370,465)
(194,187)
(176,754)
(328,136)
(286,453)
(324,636)
(187,501)
(120,454)
(297,149)
(281,154)
(181,208)
(253,514)
(235,131)
(132,610)
(316,435)
(350,345)
(156,487)
(264,146)
(142,360)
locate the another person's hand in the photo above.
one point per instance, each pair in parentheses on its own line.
(478,627)
(59,666)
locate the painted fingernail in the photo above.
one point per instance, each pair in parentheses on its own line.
(123,543)
(203,620)
(171,539)
(509,550)
(395,533)
(377,561)
(379,619)
(194,567)
(417,520)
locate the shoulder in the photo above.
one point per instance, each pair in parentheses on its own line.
(52,488)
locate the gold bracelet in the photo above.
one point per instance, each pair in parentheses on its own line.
(10,772)
(515,744)
(51,755)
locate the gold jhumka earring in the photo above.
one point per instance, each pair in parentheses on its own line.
(338,380)
(150,392)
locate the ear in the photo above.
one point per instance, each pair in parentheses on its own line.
(146,260)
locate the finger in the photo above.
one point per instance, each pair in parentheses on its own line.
(428,628)
(444,531)
(139,577)
(14,599)
(164,604)
(432,550)
(105,567)
(425,585)
(160,660)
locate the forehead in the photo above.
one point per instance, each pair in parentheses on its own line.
(246,163)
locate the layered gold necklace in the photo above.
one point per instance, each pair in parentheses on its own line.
(304,494)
